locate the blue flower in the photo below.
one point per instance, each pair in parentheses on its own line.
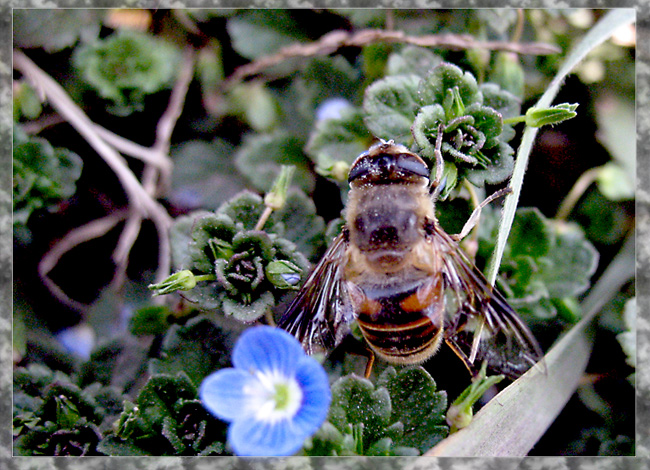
(275,397)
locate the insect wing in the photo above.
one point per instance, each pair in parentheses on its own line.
(480,324)
(321,313)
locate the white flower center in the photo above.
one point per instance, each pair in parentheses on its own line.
(273,397)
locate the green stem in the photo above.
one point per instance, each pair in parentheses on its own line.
(515,120)
(205,277)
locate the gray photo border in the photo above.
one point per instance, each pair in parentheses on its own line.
(642,460)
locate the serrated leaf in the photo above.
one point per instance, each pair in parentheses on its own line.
(574,261)
(436,87)
(249,312)
(418,405)
(126,66)
(355,401)
(390,105)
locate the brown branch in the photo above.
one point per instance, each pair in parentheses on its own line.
(335,40)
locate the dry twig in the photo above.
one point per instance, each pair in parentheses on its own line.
(141,195)
(335,40)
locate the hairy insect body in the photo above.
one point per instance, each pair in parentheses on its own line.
(389,267)
(404,281)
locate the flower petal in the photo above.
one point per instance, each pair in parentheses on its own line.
(249,437)
(222,393)
(265,348)
(314,383)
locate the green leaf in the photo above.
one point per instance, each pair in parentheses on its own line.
(196,349)
(615,183)
(627,339)
(150,320)
(127,66)
(437,87)
(355,401)
(260,158)
(43,176)
(573,259)
(211,239)
(166,419)
(256,105)
(508,73)
(616,122)
(412,60)
(55,29)
(531,234)
(249,312)
(390,105)
(301,225)
(598,34)
(26,102)
(204,175)
(335,143)
(256,33)
(418,405)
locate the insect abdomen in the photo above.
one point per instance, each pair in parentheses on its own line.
(403,328)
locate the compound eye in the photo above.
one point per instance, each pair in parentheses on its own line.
(410,164)
(359,168)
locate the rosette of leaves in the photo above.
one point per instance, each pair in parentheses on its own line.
(127,66)
(251,268)
(166,419)
(43,175)
(54,416)
(448,101)
(403,414)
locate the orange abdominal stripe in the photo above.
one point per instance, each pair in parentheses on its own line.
(364,305)
(428,294)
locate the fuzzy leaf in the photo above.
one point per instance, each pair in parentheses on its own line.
(436,88)
(356,401)
(390,105)
(127,66)
(418,405)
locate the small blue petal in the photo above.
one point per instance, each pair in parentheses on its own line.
(314,384)
(252,438)
(265,348)
(222,393)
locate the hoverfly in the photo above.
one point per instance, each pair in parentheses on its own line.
(404,280)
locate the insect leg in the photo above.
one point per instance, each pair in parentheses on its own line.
(439,165)
(369,364)
(473,219)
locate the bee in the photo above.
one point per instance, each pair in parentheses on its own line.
(405,281)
